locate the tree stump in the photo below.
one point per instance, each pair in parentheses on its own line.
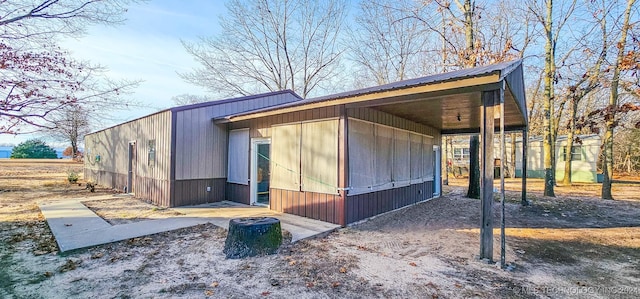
(252,236)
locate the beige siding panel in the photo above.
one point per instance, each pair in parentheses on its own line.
(260,127)
(112,147)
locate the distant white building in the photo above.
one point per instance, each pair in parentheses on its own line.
(584,157)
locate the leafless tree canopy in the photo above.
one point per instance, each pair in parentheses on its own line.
(187,99)
(269,45)
(39,81)
(42,19)
(388,45)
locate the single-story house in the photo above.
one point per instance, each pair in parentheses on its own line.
(339,158)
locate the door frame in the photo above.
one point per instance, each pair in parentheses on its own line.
(437,171)
(131,165)
(253,173)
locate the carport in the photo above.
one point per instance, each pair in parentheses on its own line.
(480,100)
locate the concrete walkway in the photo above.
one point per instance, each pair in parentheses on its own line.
(75,226)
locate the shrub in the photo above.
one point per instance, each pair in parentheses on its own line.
(72,176)
(33,149)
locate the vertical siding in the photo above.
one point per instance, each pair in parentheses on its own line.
(238,193)
(194,192)
(260,127)
(320,206)
(325,207)
(201,146)
(112,146)
(366,205)
(363,206)
(387,119)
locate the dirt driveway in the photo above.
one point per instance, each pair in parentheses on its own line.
(570,246)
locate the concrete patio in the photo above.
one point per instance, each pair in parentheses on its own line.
(75,226)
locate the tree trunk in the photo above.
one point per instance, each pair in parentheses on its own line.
(613,105)
(474,167)
(548,94)
(569,148)
(74,148)
(474,141)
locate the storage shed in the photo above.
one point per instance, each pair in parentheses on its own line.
(339,158)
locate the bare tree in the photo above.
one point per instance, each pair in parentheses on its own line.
(37,78)
(610,120)
(386,44)
(35,85)
(552,23)
(40,20)
(587,77)
(187,99)
(270,45)
(71,125)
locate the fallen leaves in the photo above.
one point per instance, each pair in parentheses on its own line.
(413,264)
(215,284)
(265,293)
(69,265)
(343,270)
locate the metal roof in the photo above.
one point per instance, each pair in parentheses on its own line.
(509,72)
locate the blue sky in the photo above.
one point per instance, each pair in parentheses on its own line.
(147,47)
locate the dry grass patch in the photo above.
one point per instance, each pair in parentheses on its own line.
(128,210)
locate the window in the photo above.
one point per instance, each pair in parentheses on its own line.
(238,157)
(461,155)
(285,157)
(416,167)
(361,157)
(304,157)
(401,173)
(382,157)
(428,157)
(319,156)
(151,156)
(576,153)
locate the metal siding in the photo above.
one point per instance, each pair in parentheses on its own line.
(201,146)
(238,193)
(112,146)
(193,192)
(367,205)
(306,204)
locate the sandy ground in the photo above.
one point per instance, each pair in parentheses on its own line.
(574,245)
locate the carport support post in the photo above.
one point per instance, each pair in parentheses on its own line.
(525,141)
(503,154)
(487,127)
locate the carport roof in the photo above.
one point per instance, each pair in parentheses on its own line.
(449,101)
